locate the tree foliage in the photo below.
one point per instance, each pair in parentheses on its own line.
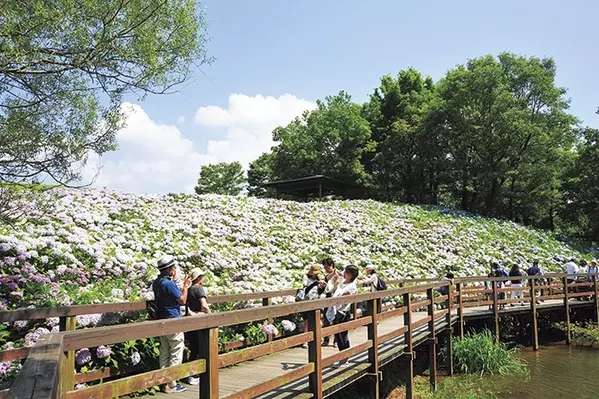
(65,66)
(330,140)
(221,178)
(260,172)
(493,136)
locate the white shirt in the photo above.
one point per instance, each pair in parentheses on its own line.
(372,280)
(571,268)
(345,289)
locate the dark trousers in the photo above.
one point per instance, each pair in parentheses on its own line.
(193,344)
(326,323)
(342,338)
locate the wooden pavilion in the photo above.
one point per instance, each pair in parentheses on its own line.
(315,187)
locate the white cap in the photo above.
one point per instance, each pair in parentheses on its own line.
(370,267)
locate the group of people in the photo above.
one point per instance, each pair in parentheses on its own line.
(169,298)
(572,268)
(333,284)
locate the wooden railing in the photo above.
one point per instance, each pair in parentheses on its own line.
(67,316)
(465,293)
(208,327)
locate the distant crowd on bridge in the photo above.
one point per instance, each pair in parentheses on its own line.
(322,280)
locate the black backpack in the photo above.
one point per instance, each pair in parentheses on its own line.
(381,285)
(152,310)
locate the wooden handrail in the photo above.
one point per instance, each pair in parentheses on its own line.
(39,376)
(119,333)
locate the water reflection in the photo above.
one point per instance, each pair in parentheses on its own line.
(557,371)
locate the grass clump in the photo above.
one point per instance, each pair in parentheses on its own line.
(480,354)
(458,387)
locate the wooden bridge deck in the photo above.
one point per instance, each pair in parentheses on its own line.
(253,372)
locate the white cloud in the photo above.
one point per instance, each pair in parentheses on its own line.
(156,157)
(249,122)
(181,120)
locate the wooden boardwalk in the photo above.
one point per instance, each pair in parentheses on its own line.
(282,369)
(254,372)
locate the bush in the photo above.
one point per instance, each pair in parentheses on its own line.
(480,354)
(582,334)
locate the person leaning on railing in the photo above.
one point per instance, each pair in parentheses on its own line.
(169,298)
(341,314)
(197,303)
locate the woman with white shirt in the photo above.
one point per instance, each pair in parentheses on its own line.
(341,312)
(371,280)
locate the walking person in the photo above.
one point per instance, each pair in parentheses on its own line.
(332,278)
(535,270)
(341,314)
(516,284)
(499,271)
(593,269)
(169,298)
(197,303)
(310,288)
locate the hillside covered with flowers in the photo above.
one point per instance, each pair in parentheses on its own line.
(101,246)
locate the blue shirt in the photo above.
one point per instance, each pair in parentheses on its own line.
(166,294)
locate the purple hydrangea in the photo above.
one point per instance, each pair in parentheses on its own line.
(269,329)
(83,356)
(103,352)
(32,337)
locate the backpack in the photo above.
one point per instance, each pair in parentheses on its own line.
(381,285)
(152,309)
(300,295)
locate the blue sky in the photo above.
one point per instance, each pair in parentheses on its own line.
(309,49)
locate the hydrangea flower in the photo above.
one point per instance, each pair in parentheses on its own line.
(269,329)
(103,352)
(288,325)
(135,358)
(83,356)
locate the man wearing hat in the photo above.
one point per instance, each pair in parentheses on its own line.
(196,304)
(169,298)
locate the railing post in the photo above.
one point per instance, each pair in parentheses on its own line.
(496,310)
(373,351)
(209,378)
(409,350)
(460,310)
(315,354)
(432,357)
(449,360)
(66,378)
(354,307)
(567,309)
(533,310)
(596,297)
(268,302)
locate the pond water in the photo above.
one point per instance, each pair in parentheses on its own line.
(557,371)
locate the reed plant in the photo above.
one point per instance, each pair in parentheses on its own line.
(479,354)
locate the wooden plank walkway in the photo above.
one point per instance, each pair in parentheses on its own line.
(253,372)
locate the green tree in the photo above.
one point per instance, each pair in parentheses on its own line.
(65,66)
(504,121)
(260,172)
(221,178)
(330,140)
(581,188)
(404,149)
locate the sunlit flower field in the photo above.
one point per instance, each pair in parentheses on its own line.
(94,246)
